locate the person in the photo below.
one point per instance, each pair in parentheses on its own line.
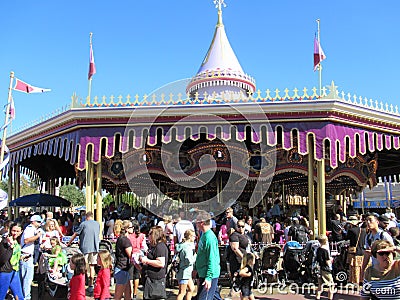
(238,243)
(207,261)
(187,258)
(180,227)
(31,234)
(375,233)
(57,258)
(155,265)
(89,232)
(77,263)
(49,232)
(337,228)
(110,225)
(356,236)
(102,286)
(384,222)
(247,273)
(324,260)
(223,236)
(382,280)
(276,210)
(10,253)
(231,220)
(249,230)
(123,256)
(264,232)
(298,232)
(139,246)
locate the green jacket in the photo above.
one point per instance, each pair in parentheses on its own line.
(207,262)
(187,258)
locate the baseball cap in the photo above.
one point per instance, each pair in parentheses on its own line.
(36,218)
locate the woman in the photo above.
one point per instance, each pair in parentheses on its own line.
(155,263)
(110,225)
(10,254)
(187,258)
(248,227)
(139,246)
(382,280)
(123,256)
(50,231)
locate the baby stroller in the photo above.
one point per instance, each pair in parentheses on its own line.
(56,287)
(293,259)
(310,264)
(339,254)
(268,271)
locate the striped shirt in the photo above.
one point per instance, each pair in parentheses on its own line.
(383,285)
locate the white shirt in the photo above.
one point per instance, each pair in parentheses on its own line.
(181,227)
(30,231)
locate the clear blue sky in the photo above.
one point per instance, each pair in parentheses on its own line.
(142,45)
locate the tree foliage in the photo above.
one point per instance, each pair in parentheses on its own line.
(72,194)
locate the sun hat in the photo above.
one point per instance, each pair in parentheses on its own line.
(353,220)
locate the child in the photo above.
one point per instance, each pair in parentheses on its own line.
(187,258)
(57,257)
(77,283)
(102,286)
(246,272)
(324,260)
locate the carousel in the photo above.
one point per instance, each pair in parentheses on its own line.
(219,142)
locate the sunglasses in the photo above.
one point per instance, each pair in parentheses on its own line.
(240,226)
(382,253)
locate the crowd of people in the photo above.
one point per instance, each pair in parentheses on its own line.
(145,244)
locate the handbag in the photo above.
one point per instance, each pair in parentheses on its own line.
(353,250)
(154,289)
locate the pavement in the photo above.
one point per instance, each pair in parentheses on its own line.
(292,292)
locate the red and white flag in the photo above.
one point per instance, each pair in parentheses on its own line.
(92,66)
(319,54)
(27,88)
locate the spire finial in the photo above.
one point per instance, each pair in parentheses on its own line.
(219,4)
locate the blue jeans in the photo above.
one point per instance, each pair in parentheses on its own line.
(10,280)
(212,293)
(26,271)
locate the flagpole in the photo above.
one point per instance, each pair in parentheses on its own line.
(3,141)
(319,64)
(90,79)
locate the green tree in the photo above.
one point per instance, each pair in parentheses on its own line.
(72,194)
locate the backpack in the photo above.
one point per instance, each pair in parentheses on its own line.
(300,234)
(175,262)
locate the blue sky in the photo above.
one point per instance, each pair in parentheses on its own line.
(142,45)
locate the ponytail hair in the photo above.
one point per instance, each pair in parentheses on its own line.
(187,234)
(247,259)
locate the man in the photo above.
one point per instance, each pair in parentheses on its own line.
(298,232)
(337,228)
(31,234)
(375,233)
(264,232)
(384,222)
(356,236)
(231,220)
(180,227)
(89,232)
(238,243)
(207,261)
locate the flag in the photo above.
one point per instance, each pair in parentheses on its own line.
(12,109)
(27,88)
(92,66)
(319,54)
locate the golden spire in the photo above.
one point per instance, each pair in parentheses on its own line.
(219,4)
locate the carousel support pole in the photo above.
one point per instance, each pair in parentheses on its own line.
(18,181)
(9,191)
(99,198)
(89,181)
(311,199)
(321,196)
(345,203)
(15,181)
